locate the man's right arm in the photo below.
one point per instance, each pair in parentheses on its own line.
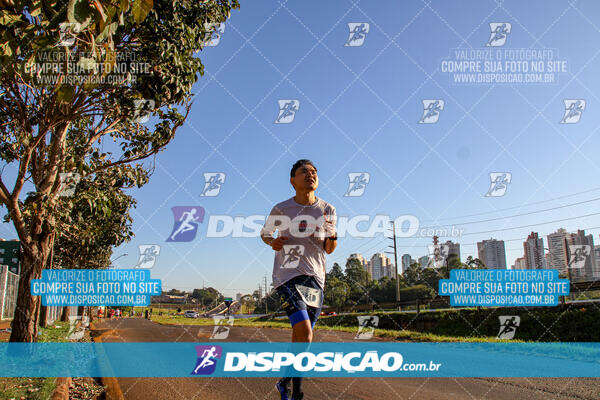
(266,233)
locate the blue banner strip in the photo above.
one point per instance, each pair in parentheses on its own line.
(380,359)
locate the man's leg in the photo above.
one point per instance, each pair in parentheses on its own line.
(301,333)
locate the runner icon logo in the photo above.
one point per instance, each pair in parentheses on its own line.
(221,330)
(213,30)
(431,111)
(292,254)
(77,327)
(68,33)
(287,111)
(358,183)
(148,255)
(499,33)
(142,110)
(578,254)
(358,32)
(573,110)
(499,183)
(366,327)
(68,183)
(212,183)
(438,254)
(207,359)
(508,326)
(186,223)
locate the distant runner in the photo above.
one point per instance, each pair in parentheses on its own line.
(300,248)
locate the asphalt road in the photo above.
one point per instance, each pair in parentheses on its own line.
(141,330)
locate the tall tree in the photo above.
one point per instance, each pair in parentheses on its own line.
(54,121)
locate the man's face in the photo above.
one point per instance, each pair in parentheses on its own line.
(306,178)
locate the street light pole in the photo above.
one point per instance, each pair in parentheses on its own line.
(396,276)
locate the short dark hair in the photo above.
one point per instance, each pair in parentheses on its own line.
(299,164)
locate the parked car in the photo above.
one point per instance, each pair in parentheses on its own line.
(191,314)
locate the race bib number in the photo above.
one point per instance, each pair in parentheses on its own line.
(311,296)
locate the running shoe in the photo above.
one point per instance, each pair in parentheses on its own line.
(283,390)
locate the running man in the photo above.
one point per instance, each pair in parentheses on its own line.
(308,221)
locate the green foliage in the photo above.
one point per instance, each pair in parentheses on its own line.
(207,297)
(54,121)
(540,324)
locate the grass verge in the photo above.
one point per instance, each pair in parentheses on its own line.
(404,335)
(35,388)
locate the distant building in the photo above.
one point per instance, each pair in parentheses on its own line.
(406,261)
(238,296)
(453,248)
(588,270)
(423,261)
(557,250)
(170,298)
(492,253)
(534,251)
(597,270)
(380,265)
(520,263)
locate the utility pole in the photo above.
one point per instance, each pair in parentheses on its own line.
(266,297)
(395,264)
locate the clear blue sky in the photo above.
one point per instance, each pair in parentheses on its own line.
(359,111)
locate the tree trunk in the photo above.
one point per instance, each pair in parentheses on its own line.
(43,316)
(24,325)
(64,316)
(80,311)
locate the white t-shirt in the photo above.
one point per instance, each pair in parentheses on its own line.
(305,227)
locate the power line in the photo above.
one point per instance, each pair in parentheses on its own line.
(515,207)
(515,215)
(529,225)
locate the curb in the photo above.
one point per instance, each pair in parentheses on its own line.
(111,384)
(62,389)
